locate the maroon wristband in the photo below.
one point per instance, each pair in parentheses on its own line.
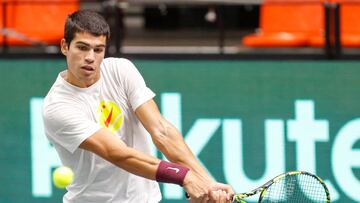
(168,172)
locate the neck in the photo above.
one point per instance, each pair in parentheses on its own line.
(78,82)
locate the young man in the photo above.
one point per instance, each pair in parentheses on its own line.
(95,114)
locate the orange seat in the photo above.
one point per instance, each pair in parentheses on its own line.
(38,21)
(349,22)
(288,23)
(317,41)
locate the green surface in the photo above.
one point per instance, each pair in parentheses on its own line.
(219,95)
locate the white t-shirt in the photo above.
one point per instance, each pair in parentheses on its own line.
(72,114)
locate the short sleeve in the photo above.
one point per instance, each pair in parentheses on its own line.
(68,126)
(134,84)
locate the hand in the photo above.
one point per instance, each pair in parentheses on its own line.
(220,196)
(196,187)
(223,190)
(203,190)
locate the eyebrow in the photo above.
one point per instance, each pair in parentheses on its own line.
(87,44)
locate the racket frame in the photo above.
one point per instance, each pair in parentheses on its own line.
(262,189)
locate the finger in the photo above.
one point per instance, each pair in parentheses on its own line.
(205,199)
(213,195)
(222,196)
(219,196)
(228,198)
(219,192)
(231,195)
(192,199)
(230,192)
(196,200)
(221,186)
(227,188)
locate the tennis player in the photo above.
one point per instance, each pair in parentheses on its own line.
(96,115)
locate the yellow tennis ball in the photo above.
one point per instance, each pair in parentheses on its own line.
(62,177)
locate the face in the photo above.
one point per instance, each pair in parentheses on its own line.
(84,56)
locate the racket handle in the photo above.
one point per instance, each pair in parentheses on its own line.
(187,196)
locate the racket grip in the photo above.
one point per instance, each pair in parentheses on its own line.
(187,196)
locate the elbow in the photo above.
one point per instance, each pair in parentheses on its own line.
(160,140)
(160,133)
(166,139)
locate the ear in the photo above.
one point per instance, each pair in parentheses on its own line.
(64,46)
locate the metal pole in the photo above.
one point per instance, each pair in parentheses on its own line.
(337,31)
(221,27)
(328,44)
(333,47)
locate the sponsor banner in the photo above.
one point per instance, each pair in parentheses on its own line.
(246,121)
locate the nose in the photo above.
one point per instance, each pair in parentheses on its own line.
(90,56)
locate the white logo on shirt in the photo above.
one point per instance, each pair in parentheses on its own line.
(174,169)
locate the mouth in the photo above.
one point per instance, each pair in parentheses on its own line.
(88,68)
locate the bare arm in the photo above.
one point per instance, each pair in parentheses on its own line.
(168,139)
(111,148)
(171,143)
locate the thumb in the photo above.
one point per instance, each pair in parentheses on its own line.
(227,188)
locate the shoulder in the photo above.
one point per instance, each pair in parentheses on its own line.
(59,94)
(59,112)
(59,100)
(112,62)
(119,67)
(58,105)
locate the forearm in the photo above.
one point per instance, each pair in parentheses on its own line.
(171,143)
(136,162)
(151,168)
(111,148)
(168,139)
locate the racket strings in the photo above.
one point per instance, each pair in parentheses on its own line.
(296,188)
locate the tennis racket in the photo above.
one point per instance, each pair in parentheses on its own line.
(294,187)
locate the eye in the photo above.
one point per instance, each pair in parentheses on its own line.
(98,50)
(82,48)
